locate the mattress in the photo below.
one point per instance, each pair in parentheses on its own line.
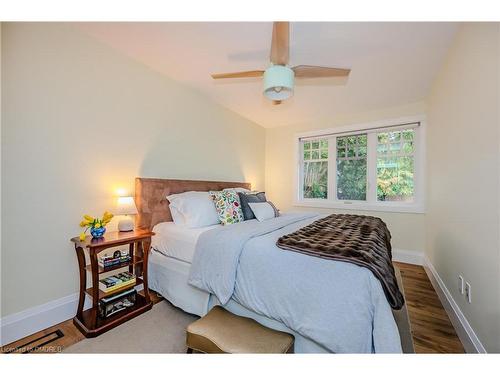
(177,241)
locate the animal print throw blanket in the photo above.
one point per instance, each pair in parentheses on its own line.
(361,240)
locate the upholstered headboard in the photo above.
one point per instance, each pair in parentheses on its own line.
(151,193)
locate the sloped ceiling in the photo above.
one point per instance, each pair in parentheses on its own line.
(392,63)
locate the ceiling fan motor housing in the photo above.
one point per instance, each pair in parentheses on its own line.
(278,82)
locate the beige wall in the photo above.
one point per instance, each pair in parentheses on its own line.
(462,222)
(408,230)
(80,120)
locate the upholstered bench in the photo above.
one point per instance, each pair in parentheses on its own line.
(223,332)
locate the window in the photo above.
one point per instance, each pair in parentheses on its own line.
(395,166)
(373,168)
(351,167)
(316,169)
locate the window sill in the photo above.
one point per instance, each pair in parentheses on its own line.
(362,206)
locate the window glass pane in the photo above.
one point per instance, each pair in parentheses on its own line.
(382,149)
(323,143)
(395,147)
(394,136)
(324,154)
(395,170)
(315,145)
(316,179)
(307,145)
(341,141)
(351,168)
(307,155)
(408,147)
(408,135)
(382,138)
(315,154)
(362,151)
(351,179)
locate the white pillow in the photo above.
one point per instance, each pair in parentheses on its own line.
(197,208)
(177,216)
(238,190)
(264,210)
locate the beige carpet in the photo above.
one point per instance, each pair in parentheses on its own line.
(162,330)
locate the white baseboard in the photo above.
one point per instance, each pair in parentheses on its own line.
(29,321)
(467,336)
(407,256)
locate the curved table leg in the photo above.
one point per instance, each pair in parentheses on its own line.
(83,280)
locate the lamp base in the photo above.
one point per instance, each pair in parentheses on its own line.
(126,225)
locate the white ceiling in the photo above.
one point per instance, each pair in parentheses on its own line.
(392,63)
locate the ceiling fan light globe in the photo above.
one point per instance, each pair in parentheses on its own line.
(278,82)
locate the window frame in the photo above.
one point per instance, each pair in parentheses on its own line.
(371,203)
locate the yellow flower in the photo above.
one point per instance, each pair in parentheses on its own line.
(84,223)
(107,216)
(88,218)
(97,225)
(82,236)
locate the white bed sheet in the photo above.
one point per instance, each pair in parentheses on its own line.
(177,241)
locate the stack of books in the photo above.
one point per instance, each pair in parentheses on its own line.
(117,258)
(117,281)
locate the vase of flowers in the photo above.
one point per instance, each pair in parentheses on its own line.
(97,226)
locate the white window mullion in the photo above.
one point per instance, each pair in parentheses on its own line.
(300,167)
(371,168)
(332,168)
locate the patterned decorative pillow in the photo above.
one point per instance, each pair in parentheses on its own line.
(228,206)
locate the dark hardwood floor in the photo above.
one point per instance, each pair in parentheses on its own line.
(431,328)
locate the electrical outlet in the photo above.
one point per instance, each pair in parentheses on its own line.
(468,292)
(461,284)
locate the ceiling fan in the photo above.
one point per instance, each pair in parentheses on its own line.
(279,77)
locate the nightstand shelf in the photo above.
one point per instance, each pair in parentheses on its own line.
(90,291)
(89,322)
(135,260)
(93,324)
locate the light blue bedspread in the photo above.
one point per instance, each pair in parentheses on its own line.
(339,305)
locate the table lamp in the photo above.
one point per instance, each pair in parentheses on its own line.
(126,206)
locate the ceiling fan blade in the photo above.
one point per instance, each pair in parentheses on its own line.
(250,73)
(280,43)
(311,71)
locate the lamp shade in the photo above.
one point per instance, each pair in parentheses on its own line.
(125,206)
(278,82)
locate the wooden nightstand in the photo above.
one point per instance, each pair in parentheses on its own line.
(89,322)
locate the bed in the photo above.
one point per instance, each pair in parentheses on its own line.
(328,306)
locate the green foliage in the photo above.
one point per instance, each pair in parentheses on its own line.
(395,179)
(351,179)
(316,179)
(395,167)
